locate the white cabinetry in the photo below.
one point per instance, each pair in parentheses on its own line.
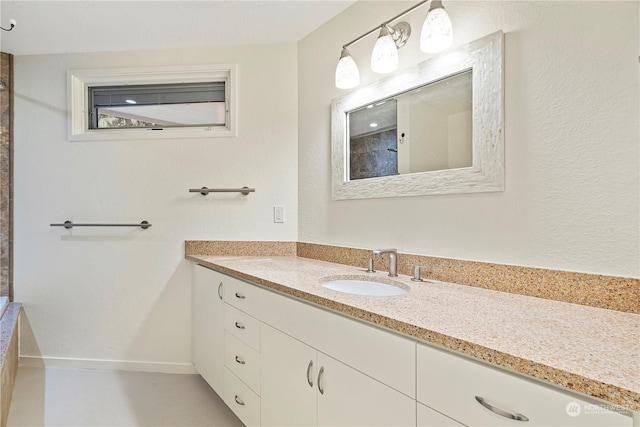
(304,387)
(278,361)
(350,398)
(241,399)
(477,394)
(320,368)
(288,380)
(385,356)
(207,325)
(427,417)
(242,359)
(243,296)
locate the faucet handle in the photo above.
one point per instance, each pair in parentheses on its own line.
(416,273)
(369,265)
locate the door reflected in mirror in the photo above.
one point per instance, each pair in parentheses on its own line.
(428,128)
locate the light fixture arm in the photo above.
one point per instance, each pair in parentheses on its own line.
(399,33)
(411,9)
(12,22)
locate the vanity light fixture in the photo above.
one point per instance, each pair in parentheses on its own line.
(436,35)
(347,73)
(384,57)
(437,31)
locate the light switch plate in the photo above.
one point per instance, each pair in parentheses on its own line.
(278,214)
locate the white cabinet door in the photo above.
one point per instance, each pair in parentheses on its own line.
(427,417)
(207,325)
(387,357)
(303,387)
(347,397)
(288,380)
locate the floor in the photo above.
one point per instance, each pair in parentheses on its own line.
(82,397)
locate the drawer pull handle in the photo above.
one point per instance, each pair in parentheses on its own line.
(320,389)
(240,361)
(240,296)
(239,325)
(517,417)
(239,401)
(309,379)
(220,290)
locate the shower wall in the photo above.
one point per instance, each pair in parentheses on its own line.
(6,175)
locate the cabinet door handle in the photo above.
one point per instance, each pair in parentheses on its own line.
(517,417)
(309,379)
(239,325)
(220,290)
(240,361)
(319,377)
(240,296)
(239,401)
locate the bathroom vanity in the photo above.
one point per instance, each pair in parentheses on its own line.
(281,349)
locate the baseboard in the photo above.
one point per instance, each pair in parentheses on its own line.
(113,365)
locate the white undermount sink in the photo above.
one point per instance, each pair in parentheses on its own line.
(363,287)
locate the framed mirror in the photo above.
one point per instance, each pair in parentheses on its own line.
(435,128)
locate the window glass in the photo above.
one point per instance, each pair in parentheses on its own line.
(158,105)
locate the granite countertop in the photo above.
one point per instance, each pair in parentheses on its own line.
(8,323)
(590,350)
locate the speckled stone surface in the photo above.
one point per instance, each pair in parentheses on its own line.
(615,293)
(6,175)
(589,350)
(8,357)
(239,248)
(611,292)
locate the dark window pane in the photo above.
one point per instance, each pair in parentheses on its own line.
(164,105)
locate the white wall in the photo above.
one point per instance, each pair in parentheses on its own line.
(124,294)
(572,157)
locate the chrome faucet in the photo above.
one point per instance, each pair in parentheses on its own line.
(393,264)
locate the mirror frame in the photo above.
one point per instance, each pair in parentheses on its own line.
(485,57)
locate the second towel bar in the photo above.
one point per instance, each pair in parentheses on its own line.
(68,225)
(204,190)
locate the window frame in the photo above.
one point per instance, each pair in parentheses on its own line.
(79,82)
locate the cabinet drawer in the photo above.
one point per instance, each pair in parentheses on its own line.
(242,326)
(243,361)
(242,401)
(387,357)
(243,296)
(453,385)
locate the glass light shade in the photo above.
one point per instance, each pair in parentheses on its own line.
(437,31)
(347,74)
(384,57)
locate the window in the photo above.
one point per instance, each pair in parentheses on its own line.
(173,102)
(167,105)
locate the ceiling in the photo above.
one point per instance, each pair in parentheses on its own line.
(53,26)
